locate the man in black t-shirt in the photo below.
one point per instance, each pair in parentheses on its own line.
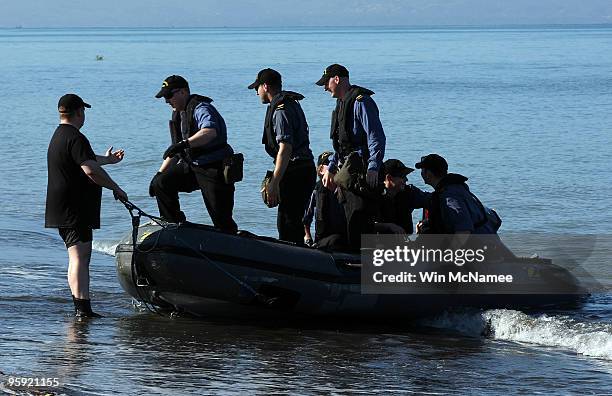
(74,192)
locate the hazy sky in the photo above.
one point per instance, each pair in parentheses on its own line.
(213,13)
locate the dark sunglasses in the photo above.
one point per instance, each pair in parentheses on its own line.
(171,94)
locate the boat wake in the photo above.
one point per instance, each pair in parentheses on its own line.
(593,339)
(105,246)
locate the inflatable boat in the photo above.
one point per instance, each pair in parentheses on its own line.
(199,270)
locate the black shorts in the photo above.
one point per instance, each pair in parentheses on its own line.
(74,235)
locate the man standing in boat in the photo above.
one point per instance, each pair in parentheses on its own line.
(74,192)
(286,140)
(357,134)
(195,158)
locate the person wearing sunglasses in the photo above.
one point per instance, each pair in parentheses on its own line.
(195,159)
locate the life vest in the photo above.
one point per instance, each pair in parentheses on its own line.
(287,100)
(343,121)
(176,134)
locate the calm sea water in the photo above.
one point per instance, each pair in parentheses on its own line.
(526,114)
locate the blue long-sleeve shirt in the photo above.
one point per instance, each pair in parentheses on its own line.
(206,116)
(366,120)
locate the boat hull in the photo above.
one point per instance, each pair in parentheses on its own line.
(199,270)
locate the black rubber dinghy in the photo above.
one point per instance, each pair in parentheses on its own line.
(199,270)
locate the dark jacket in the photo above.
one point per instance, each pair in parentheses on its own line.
(454,208)
(398,209)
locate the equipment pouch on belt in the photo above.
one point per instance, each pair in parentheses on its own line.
(233,168)
(264,187)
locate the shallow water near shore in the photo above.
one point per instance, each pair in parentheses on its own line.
(524,113)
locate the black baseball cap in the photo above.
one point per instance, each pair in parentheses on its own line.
(267,76)
(324,158)
(396,168)
(433,162)
(71,102)
(332,71)
(171,83)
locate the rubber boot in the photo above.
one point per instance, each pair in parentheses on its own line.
(82,308)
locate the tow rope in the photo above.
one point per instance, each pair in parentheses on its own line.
(139,276)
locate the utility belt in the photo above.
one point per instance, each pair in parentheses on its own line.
(231,166)
(352,177)
(298,164)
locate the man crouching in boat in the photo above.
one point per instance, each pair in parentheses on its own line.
(327,212)
(400,200)
(454,208)
(74,192)
(195,159)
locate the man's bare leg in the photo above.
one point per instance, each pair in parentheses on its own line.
(79,256)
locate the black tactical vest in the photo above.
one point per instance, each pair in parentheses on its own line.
(343,121)
(217,143)
(284,100)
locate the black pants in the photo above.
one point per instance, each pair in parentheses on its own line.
(360,213)
(295,189)
(218,196)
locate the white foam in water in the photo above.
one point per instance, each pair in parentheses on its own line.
(105,246)
(589,339)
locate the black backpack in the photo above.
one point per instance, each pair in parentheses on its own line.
(490,216)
